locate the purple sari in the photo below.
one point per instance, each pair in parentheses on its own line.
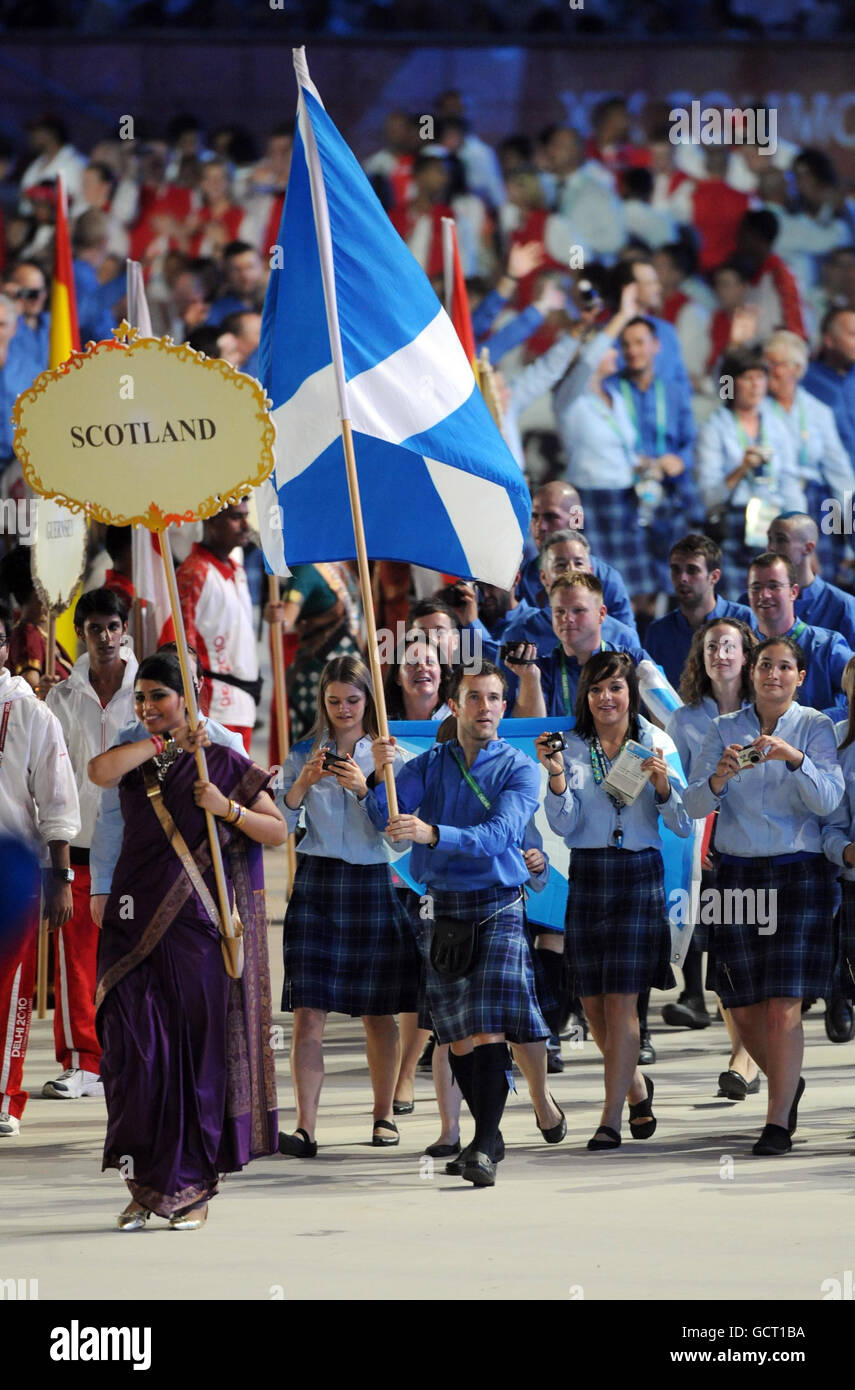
(187,1065)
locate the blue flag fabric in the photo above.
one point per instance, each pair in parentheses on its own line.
(352,329)
(547,907)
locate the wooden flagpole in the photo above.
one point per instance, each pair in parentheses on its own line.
(193,720)
(42,953)
(281,706)
(368,605)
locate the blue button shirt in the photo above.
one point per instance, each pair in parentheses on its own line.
(688,726)
(95,301)
(826,655)
(838,829)
(478,847)
(838,392)
(18,373)
(678,433)
(669,639)
(824,605)
(615,593)
(110,825)
(767,809)
(552,684)
(585,816)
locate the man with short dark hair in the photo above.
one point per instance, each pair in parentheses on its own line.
(27,286)
(92,705)
(695,565)
(475,796)
(772,592)
(245,283)
(641,271)
(794,535)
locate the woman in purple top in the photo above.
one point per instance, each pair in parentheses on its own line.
(187,1068)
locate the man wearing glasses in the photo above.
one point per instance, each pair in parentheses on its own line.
(27,286)
(772,592)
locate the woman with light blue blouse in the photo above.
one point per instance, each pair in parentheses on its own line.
(715,681)
(772,772)
(617,937)
(745,466)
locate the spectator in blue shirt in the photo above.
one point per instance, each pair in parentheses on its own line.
(17,370)
(695,565)
(94,300)
(772,593)
(831,377)
(28,287)
(670,365)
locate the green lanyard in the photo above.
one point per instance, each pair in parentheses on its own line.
(467,776)
(601,766)
(743,436)
(803,434)
(798,629)
(565,679)
(661,413)
(613,425)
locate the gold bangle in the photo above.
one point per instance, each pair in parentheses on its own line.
(241,816)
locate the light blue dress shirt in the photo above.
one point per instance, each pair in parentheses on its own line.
(599,442)
(688,727)
(820,454)
(586,817)
(767,809)
(720,449)
(110,824)
(336,825)
(477,848)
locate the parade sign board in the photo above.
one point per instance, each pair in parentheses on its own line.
(58,553)
(144,433)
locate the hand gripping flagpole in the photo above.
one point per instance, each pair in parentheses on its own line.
(322,230)
(193,720)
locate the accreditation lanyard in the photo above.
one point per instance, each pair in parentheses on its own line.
(661,414)
(798,630)
(470,780)
(565,678)
(803,434)
(4,724)
(600,765)
(613,425)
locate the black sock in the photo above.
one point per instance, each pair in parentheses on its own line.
(553,970)
(693,987)
(643,1001)
(489,1093)
(461,1070)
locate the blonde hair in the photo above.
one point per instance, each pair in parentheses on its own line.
(795,348)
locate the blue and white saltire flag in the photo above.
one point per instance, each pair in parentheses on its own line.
(353,331)
(547,907)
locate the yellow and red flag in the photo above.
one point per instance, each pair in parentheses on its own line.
(64,331)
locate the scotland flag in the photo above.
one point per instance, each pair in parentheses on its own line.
(353,331)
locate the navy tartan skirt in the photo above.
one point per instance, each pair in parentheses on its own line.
(846,921)
(617,936)
(347,942)
(498,995)
(787,951)
(614,535)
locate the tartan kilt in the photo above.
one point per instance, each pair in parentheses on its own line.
(736,556)
(614,535)
(846,920)
(347,942)
(498,995)
(617,936)
(796,960)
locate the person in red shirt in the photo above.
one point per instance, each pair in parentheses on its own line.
(717,210)
(218,221)
(420,221)
(28,640)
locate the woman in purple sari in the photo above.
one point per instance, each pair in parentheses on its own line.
(187,1067)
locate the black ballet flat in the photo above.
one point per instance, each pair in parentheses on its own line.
(556,1132)
(612,1142)
(793,1118)
(774,1140)
(733,1086)
(643,1110)
(443,1150)
(403,1107)
(296,1147)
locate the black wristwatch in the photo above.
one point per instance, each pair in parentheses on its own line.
(432,844)
(65,875)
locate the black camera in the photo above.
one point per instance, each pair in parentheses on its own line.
(330,760)
(505,651)
(555,743)
(588,296)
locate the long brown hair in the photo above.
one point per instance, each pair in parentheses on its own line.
(695,684)
(347,670)
(598,668)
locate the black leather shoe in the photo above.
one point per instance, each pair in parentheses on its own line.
(479,1170)
(456,1166)
(773,1140)
(646,1052)
(443,1150)
(733,1085)
(839,1020)
(558,1131)
(686,1013)
(554,1060)
(793,1117)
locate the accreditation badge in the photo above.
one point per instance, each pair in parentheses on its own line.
(759,514)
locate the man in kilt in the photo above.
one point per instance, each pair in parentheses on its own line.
(475,796)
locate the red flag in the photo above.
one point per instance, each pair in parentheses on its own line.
(456,301)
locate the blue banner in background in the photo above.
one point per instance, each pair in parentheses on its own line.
(547,908)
